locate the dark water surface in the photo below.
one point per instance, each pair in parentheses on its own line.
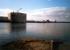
(46,31)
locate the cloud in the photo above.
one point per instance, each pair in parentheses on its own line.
(4,12)
(51,13)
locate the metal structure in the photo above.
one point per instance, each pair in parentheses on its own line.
(19,9)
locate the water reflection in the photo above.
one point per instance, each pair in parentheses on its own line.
(18,27)
(18,30)
(4,33)
(11,32)
(14,31)
(4,28)
(49,30)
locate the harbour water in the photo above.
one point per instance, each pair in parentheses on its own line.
(44,31)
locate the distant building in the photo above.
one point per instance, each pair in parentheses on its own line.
(3,19)
(48,20)
(17,17)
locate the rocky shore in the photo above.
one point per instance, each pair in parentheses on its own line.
(28,45)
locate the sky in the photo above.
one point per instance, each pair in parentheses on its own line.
(38,9)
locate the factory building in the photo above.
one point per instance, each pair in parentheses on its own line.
(17,17)
(4,19)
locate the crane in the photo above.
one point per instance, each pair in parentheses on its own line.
(19,9)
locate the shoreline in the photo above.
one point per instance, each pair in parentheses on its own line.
(33,22)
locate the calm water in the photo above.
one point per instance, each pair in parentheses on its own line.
(56,31)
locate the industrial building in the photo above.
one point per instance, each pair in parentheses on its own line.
(17,17)
(4,19)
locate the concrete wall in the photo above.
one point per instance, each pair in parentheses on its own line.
(18,17)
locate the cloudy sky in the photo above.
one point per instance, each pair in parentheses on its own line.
(38,9)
